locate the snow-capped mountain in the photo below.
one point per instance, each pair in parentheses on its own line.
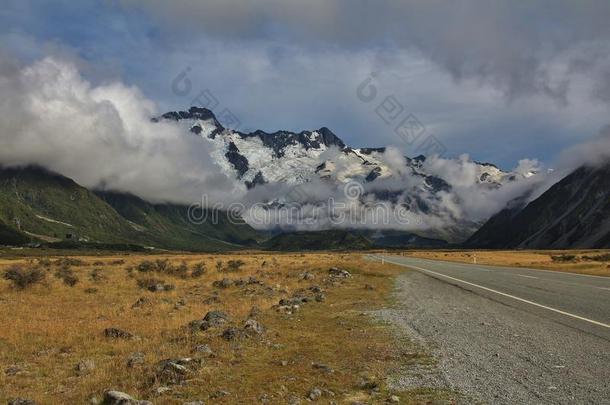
(259,157)
(435,191)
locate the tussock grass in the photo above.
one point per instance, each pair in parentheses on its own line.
(47,329)
(594,262)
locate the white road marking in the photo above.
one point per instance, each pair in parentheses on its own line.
(503,294)
(523,275)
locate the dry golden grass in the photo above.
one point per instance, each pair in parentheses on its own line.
(536,259)
(47,329)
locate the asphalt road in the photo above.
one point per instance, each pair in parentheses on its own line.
(507,335)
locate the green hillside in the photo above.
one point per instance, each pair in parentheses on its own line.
(38,204)
(319,240)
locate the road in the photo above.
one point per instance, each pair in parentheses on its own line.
(508,335)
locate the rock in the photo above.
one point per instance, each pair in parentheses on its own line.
(210,320)
(219,394)
(314,394)
(284,363)
(21,401)
(194,403)
(315,289)
(322,367)
(307,276)
(159,287)
(320,297)
(162,390)
(140,302)
(204,349)
(394,399)
(176,371)
(116,333)
(85,366)
(216,318)
(135,359)
(13,370)
(253,327)
(120,398)
(224,283)
(339,273)
(233,333)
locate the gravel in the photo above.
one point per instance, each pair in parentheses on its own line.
(495,353)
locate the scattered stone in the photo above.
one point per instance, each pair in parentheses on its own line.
(176,371)
(224,283)
(320,297)
(308,276)
(314,394)
(210,320)
(116,333)
(204,349)
(140,302)
(162,390)
(315,289)
(253,327)
(284,363)
(181,303)
(394,399)
(13,370)
(135,359)
(219,394)
(339,273)
(194,403)
(233,333)
(21,401)
(368,287)
(121,398)
(85,366)
(322,367)
(159,287)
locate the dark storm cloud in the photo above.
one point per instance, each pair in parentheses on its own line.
(511,45)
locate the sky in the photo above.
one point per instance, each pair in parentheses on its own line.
(499,80)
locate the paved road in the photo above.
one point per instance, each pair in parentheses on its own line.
(508,335)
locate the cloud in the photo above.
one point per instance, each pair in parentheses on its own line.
(100,136)
(512,46)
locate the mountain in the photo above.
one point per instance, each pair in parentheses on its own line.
(36,204)
(574,213)
(318,240)
(294,158)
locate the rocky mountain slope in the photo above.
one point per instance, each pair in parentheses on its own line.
(574,213)
(288,157)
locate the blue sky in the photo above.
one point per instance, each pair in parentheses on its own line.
(501,81)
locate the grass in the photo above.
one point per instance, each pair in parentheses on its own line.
(593,262)
(48,328)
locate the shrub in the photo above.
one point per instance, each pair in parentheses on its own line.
(44,262)
(605,257)
(97,276)
(24,277)
(69,261)
(564,258)
(67,276)
(234,265)
(198,270)
(146,266)
(219,265)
